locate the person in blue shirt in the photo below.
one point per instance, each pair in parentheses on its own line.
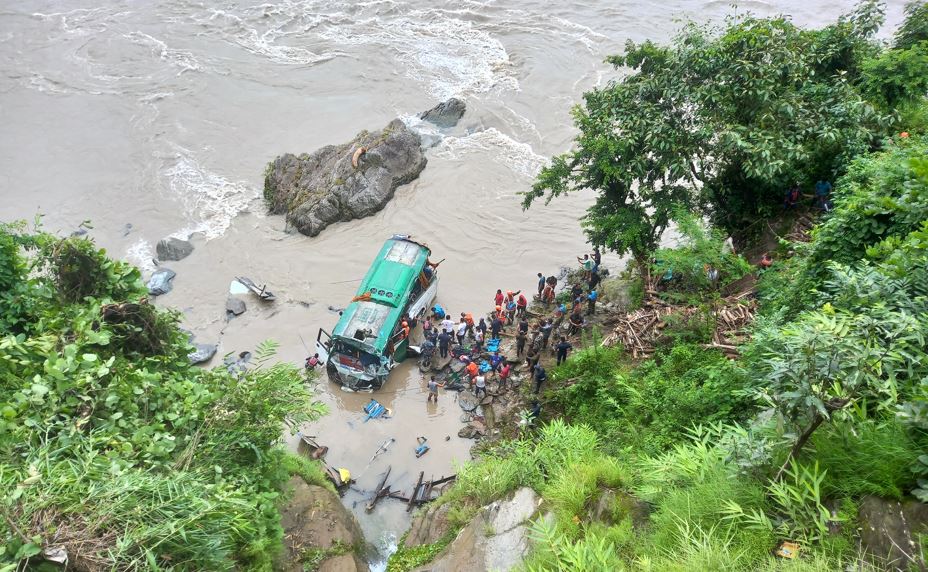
(591,302)
(438,312)
(822,191)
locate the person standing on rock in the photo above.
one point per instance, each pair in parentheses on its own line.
(482,326)
(469,319)
(480,386)
(541,284)
(504,375)
(562,348)
(521,337)
(594,280)
(496,326)
(478,341)
(521,305)
(546,332)
(591,303)
(462,331)
(499,298)
(444,340)
(597,258)
(540,377)
(447,325)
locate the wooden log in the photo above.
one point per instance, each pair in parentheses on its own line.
(380,491)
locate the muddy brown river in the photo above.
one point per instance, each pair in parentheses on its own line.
(157,118)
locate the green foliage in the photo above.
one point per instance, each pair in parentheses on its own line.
(699,250)
(653,406)
(897,76)
(914,28)
(866,458)
(407,558)
(724,119)
(111,441)
(557,552)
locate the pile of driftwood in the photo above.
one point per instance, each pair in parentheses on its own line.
(639,331)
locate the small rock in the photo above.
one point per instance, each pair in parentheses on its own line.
(468,432)
(203,352)
(234,307)
(172,248)
(160,282)
(446,113)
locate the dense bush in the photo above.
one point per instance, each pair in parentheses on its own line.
(111,444)
(653,406)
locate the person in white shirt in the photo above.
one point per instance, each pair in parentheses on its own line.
(480,385)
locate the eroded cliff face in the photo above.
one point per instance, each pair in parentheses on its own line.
(343,182)
(319,532)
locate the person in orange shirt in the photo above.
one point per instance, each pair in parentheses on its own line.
(469,320)
(472,370)
(404,330)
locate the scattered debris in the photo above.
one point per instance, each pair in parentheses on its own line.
(160,282)
(374,410)
(787,549)
(423,447)
(638,331)
(381,491)
(259,291)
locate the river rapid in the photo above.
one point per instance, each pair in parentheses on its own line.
(157,118)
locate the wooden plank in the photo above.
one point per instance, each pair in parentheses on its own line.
(415,490)
(380,491)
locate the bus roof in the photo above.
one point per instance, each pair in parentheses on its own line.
(368,324)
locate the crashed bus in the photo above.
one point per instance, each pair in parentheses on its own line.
(368,341)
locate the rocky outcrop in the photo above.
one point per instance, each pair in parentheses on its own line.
(173,248)
(446,114)
(889,532)
(496,539)
(315,521)
(343,182)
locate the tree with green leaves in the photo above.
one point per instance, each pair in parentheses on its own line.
(722,120)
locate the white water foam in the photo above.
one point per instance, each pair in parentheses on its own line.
(279,21)
(210,200)
(448,55)
(183,60)
(520,157)
(140,254)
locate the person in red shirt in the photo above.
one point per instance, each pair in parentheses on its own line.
(521,305)
(499,298)
(504,375)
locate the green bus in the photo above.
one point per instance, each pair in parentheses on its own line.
(368,341)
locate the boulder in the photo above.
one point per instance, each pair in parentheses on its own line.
(889,532)
(172,248)
(202,353)
(314,518)
(234,307)
(160,282)
(343,182)
(496,539)
(429,526)
(446,114)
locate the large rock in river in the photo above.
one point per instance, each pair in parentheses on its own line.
(445,114)
(343,182)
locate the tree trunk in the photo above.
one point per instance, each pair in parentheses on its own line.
(800,443)
(831,407)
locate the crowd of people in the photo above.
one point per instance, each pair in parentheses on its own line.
(449,335)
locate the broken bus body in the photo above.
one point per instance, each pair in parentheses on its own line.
(368,341)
